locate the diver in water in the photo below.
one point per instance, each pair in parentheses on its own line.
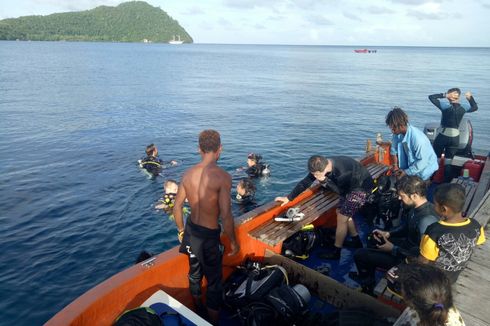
(256,168)
(245,192)
(166,203)
(152,163)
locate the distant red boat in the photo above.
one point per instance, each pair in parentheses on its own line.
(364,51)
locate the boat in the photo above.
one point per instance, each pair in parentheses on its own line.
(261,238)
(365,51)
(176,41)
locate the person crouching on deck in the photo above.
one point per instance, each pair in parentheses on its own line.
(207,187)
(347,177)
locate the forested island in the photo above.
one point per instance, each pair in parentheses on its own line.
(135,21)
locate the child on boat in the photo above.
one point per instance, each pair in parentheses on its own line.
(449,243)
(427,292)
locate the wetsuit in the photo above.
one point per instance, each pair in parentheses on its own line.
(205,252)
(349,178)
(447,141)
(405,238)
(255,171)
(152,164)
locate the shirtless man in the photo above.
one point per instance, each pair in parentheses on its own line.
(207,187)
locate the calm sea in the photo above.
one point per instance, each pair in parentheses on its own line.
(75,117)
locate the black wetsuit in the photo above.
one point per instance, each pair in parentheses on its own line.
(255,171)
(405,238)
(452,114)
(205,252)
(152,164)
(347,175)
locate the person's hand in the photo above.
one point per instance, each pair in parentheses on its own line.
(235,248)
(180,235)
(468,95)
(173,162)
(399,173)
(283,200)
(380,234)
(386,247)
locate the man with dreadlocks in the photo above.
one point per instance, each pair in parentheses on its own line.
(411,151)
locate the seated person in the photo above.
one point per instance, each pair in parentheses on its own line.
(449,243)
(152,163)
(166,203)
(401,242)
(245,191)
(256,168)
(427,292)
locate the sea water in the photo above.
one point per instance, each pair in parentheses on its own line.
(75,118)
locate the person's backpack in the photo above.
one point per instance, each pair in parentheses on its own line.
(290,302)
(386,201)
(257,314)
(252,282)
(299,244)
(142,316)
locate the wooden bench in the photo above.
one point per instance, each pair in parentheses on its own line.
(273,233)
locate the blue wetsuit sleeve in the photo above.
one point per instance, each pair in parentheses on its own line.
(301,186)
(400,230)
(434,98)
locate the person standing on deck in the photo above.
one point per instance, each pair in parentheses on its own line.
(207,187)
(347,177)
(411,151)
(447,141)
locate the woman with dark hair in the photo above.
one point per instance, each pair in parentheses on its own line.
(427,293)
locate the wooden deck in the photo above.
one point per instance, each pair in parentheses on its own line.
(273,233)
(472,290)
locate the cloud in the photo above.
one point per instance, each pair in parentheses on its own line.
(416,2)
(243,4)
(484,4)
(421,15)
(375,10)
(75,5)
(193,11)
(225,23)
(352,16)
(318,20)
(259,26)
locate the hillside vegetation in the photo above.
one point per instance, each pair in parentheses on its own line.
(128,22)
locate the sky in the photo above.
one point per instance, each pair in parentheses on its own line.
(458,23)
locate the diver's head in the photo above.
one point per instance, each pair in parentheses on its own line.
(453,94)
(245,189)
(319,166)
(171,186)
(151,150)
(253,159)
(210,143)
(397,121)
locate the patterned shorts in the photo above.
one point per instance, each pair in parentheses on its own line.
(351,203)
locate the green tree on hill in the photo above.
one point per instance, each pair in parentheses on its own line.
(128,22)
